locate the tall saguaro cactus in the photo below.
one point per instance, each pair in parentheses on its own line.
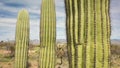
(22,39)
(88,33)
(47,34)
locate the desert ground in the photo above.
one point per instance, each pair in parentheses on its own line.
(7,58)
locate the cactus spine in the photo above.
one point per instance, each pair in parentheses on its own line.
(22,39)
(47,34)
(88,33)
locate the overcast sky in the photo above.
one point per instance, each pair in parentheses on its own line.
(10,8)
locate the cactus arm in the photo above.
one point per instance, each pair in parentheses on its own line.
(68,31)
(88,33)
(17,42)
(22,39)
(47,34)
(99,50)
(80,34)
(71,33)
(104,33)
(107,35)
(54,33)
(42,35)
(92,45)
(90,36)
(75,30)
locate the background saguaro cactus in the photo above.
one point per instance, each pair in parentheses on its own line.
(47,34)
(22,39)
(88,33)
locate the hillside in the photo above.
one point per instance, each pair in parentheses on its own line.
(115,41)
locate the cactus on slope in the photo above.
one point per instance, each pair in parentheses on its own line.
(47,34)
(22,39)
(88,33)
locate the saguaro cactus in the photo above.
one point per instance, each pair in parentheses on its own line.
(47,34)
(22,39)
(88,33)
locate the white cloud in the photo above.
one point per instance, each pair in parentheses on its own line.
(32,3)
(115,34)
(8,20)
(61,24)
(8,36)
(8,8)
(34,29)
(59,3)
(35,11)
(61,35)
(34,8)
(1,3)
(60,14)
(115,18)
(9,29)
(34,22)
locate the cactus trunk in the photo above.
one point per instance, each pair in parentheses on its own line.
(88,33)
(22,39)
(47,34)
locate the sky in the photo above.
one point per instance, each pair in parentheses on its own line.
(10,8)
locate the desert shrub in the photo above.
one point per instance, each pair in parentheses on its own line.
(115,49)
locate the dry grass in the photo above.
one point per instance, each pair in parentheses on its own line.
(115,56)
(7,62)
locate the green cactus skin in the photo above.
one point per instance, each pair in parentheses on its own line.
(88,33)
(47,34)
(108,28)
(22,39)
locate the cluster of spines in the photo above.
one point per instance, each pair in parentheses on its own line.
(47,34)
(88,33)
(22,39)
